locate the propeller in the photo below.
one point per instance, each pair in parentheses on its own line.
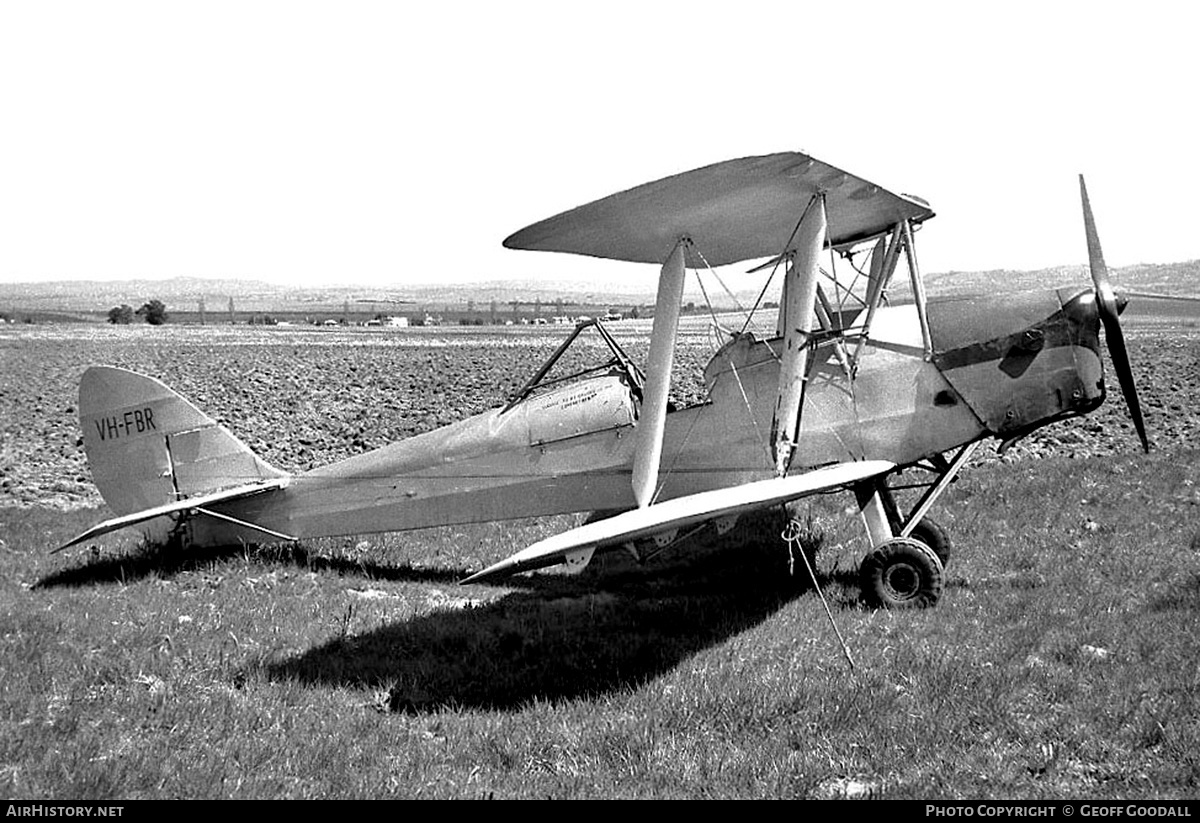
(1110,311)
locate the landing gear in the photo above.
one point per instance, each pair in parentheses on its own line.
(907,567)
(902,573)
(931,533)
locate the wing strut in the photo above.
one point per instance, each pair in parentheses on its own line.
(658,377)
(883,264)
(918,287)
(800,296)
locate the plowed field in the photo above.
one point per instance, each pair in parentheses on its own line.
(304,397)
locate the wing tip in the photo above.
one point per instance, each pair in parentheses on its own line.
(512,565)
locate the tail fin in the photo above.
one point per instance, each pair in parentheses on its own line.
(147,446)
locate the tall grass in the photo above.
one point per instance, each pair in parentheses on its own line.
(1061,662)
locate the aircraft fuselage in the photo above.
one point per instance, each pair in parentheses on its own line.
(997,369)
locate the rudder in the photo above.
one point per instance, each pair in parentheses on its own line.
(148,446)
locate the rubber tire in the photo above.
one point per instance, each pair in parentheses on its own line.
(931,533)
(902,574)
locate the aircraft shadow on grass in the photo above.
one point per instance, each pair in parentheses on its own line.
(616,625)
(610,628)
(168,560)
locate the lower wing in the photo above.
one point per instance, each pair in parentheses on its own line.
(679,512)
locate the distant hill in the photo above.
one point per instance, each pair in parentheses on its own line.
(100,295)
(188,291)
(1179,279)
(186,294)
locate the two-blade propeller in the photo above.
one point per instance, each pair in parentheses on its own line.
(1110,311)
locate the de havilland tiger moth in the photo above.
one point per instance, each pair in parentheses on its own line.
(846,394)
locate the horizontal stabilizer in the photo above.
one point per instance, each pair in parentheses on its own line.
(683,511)
(197,502)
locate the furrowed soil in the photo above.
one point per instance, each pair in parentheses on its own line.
(301,398)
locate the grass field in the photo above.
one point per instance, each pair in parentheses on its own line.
(1062,662)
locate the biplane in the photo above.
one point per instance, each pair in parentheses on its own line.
(844,390)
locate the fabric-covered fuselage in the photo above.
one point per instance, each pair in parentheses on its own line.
(1000,366)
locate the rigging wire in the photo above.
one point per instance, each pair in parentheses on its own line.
(700,282)
(736,302)
(762,441)
(779,260)
(675,459)
(678,453)
(770,277)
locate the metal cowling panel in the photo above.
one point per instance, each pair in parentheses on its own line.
(1019,367)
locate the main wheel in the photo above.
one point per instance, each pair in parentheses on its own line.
(902,573)
(931,533)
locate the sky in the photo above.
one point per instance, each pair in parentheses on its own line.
(389,143)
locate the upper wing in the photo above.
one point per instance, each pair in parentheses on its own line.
(736,210)
(197,502)
(683,511)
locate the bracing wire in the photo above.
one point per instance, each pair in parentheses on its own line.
(700,281)
(762,441)
(767,285)
(736,302)
(696,417)
(778,260)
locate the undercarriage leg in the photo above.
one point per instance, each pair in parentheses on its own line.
(898,572)
(874,512)
(944,480)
